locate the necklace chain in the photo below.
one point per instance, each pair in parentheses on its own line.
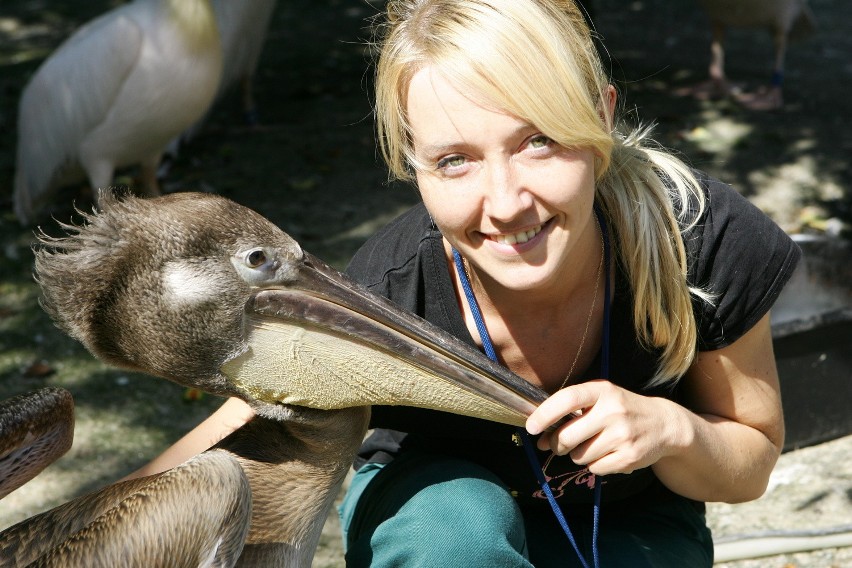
(591,312)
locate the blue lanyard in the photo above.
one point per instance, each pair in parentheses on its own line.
(525,438)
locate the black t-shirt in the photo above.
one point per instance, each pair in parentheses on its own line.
(734,251)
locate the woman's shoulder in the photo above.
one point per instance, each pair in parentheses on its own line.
(730,224)
(724,203)
(392,247)
(740,256)
(721,203)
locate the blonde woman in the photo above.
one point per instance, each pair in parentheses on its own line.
(632,289)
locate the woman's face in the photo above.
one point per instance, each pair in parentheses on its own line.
(509,199)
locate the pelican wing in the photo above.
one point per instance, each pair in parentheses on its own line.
(196,514)
(35,430)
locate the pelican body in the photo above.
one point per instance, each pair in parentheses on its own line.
(113,95)
(201,291)
(196,514)
(259,498)
(243,26)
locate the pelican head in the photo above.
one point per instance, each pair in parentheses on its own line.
(204,292)
(160,285)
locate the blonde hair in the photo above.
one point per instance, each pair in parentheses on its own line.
(536,60)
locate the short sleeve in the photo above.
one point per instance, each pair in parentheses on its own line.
(741,257)
(387,263)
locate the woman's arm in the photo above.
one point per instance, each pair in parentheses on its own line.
(737,430)
(721,447)
(231,415)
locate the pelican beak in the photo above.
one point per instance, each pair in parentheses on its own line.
(326,342)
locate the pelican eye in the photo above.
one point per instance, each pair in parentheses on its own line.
(258,266)
(255,258)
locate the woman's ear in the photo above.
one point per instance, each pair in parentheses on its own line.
(608,113)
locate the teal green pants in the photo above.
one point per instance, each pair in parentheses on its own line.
(430,511)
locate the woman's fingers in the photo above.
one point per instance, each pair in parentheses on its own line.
(616,432)
(562,404)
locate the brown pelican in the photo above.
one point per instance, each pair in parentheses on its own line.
(193,515)
(201,291)
(113,95)
(36,428)
(259,498)
(204,292)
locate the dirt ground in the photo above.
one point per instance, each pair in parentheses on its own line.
(311,167)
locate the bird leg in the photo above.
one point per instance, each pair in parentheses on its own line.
(771,97)
(717,54)
(716,86)
(148,173)
(250,113)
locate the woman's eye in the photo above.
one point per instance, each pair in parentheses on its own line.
(540,141)
(256,258)
(451,162)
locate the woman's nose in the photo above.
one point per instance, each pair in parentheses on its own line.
(505,195)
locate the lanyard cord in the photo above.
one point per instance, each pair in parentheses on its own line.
(527,443)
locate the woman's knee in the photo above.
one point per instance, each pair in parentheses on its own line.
(424,510)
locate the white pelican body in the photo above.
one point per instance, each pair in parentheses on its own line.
(113,95)
(242,31)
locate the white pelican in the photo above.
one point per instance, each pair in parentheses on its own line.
(113,95)
(785,20)
(243,27)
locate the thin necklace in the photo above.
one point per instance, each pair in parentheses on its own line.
(591,310)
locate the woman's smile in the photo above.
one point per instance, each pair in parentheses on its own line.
(521,240)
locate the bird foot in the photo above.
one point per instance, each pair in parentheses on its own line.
(709,90)
(764,99)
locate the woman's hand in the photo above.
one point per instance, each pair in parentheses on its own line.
(618,431)
(721,445)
